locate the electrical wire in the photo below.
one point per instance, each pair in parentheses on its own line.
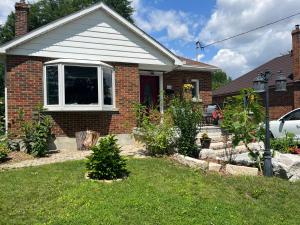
(199,45)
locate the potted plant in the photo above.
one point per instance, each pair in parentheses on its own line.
(205,140)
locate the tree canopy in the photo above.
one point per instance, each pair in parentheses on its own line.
(46,11)
(220,79)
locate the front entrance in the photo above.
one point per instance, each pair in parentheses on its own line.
(149,91)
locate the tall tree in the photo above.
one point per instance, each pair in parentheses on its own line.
(46,11)
(220,79)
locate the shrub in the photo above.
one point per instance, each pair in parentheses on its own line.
(105,161)
(36,133)
(158,138)
(243,115)
(285,144)
(4,150)
(187,118)
(140,112)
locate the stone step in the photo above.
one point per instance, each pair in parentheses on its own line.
(222,152)
(220,145)
(210,129)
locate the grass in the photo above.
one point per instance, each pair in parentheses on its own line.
(157,192)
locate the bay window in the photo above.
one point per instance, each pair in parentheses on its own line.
(80,87)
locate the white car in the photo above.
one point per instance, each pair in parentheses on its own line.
(290,122)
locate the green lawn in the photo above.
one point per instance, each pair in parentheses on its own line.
(157,192)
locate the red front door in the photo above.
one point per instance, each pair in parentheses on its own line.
(149,90)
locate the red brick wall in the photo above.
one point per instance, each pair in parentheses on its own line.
(25,90)
(178,78)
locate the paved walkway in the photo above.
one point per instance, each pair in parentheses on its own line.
(68,155)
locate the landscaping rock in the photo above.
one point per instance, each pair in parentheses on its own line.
(286,166)
(191,162)
(214,167)
(243,159)
(241,170)
(207,153)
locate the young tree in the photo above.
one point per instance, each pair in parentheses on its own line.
(220,79)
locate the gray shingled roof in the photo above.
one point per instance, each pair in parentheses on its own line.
(283,63)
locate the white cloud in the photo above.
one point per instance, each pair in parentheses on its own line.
(235,16)
(178,25)
(200,56)
(6,6)
(230,61)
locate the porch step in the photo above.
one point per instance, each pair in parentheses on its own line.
(210,129)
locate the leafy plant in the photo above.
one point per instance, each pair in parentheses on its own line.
(159,138)
(243,115)
(140,112)
(205,136)
(4,150)
(105,162)
(285,144)
(187,118)
(36,133)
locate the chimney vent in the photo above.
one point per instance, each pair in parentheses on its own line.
(21,25)
(297,26)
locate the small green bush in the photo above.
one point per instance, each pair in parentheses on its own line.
(105,162)
(36,133)
(187,117)
(158,138)
(284,144)
(4,150)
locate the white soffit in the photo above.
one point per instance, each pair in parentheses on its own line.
(79,62)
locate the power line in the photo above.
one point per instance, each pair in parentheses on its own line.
(199,45)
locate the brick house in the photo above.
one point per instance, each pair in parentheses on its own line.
(280,102)
(88,68)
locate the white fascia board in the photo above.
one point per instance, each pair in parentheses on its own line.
(67,19)
(197,68)
(80,62)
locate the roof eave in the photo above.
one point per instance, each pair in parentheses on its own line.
(198,68)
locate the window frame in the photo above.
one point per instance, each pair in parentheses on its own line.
(197,98)
(61,106)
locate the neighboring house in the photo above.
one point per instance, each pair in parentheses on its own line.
(88,68)
(280,102)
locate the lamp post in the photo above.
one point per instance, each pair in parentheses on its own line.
(261,84)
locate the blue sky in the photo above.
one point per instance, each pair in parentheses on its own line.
(178,24)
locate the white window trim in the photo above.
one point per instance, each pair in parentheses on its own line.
(61,90)
(197,99)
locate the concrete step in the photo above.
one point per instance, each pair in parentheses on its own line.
(210,129)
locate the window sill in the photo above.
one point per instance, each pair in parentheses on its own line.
(80,109)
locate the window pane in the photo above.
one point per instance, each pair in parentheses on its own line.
(294,115)
(107,87)
(194,90)
(52,85)
(81,85)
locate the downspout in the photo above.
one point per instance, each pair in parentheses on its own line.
(5,98)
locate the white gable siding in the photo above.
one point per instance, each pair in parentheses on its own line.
(96,36)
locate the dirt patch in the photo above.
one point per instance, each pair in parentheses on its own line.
(14,157)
